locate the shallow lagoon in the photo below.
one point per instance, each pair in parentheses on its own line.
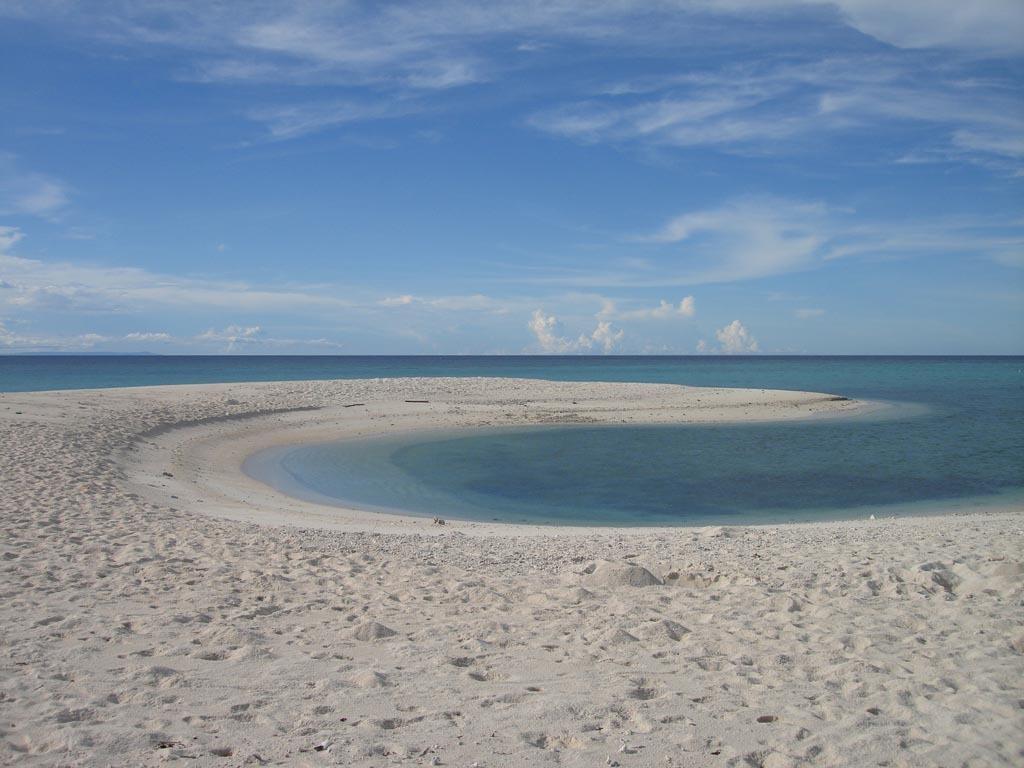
(956,437)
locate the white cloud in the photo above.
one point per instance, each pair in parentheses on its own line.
(756,237)
(233,335)
(544,327)
(807,313)
(992,26)
(27,192)
(65,285)
(736,339)
(664,311)
(26,342)
(292,121)
(8,237)
(147,336)
(733,339)
(253,339)
(748,238)
(405,49)
(397,301)
(776,107)
(605,337)
(476,302)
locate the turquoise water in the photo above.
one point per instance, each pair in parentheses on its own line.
(954,435)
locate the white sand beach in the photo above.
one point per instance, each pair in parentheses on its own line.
(160,607)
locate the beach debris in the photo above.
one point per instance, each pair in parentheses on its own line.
(352,405)
(417,401)
(439,521)
(167,474)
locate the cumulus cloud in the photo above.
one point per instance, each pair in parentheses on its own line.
(604,337)
(733,339)
(736,339)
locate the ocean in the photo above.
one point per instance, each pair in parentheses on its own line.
(953,437)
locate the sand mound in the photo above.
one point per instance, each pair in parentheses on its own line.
(608,573)
(372,630)
(370,678)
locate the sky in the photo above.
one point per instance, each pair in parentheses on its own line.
(549,176)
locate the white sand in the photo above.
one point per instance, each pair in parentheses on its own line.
(205,619)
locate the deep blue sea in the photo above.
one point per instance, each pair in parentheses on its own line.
(954,436)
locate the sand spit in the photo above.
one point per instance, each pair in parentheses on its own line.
(159,607)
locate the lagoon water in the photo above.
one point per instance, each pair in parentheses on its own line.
(954,434)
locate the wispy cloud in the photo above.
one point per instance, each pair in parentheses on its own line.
(24,192)
(774,107)
(993,27)
(748,238)
(8,237)
(475,302)
(295,120)
(403,48)
(686,308)
(17,341)
(33,283)
(807,313)
(147,336)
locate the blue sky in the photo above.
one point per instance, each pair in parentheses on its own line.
(716,176)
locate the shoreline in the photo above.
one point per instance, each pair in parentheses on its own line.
(495,404)
(233,625)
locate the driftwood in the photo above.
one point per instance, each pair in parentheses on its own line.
(352,405)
